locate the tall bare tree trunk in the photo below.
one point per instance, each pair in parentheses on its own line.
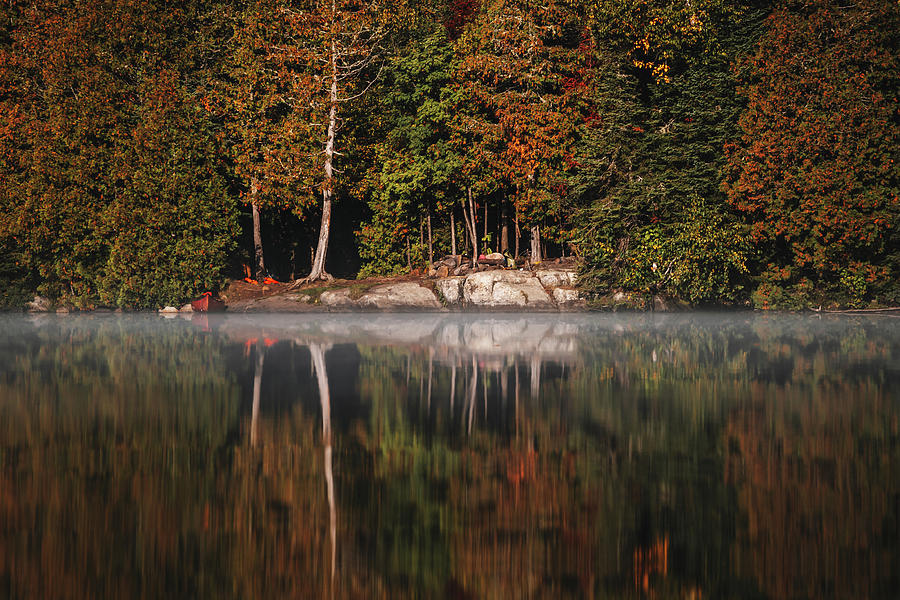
(259,263)
(408,255)
(318,268)
(485,237)
(504,226)
(536,255)
(452,387)
(468,227)
(474,231)
(518,232)
(430,242)
(452,233)
(421,234)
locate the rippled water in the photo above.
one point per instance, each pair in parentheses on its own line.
(665,456)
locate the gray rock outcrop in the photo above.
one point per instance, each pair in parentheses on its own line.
(497,290)
(450,289)
(337,299)
(505,289)
(399,296)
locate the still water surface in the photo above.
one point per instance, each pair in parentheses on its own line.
(441,456)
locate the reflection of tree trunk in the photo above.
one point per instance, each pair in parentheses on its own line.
(535,376)
(516,367)
(318,356)
(452,387)
(257,385)
(430,374)
(473,386)
(484,386)
(332,511)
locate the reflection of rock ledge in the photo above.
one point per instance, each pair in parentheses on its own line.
(448,335)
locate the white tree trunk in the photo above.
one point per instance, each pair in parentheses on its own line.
(452,233)
(536,256)
(318,268)
(430,241)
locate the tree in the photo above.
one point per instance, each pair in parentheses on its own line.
(330,57)
(416,165)
(815,169)
(521,72)
(252,112)
(109,180)
(652,218)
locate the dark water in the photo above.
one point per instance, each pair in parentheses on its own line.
(434,456)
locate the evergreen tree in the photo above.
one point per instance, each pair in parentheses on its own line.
(416,165)
(653,219)
(816,170)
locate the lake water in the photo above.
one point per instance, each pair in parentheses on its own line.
(447,456)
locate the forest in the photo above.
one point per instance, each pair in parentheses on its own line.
(722,152)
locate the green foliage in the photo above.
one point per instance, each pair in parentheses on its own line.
(640,132)
(14,279)
(416,164)
(110,181)
(381,243)
(649,171)
(700,258)
(172,224)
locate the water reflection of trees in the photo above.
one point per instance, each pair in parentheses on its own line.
(109,443)
(634,457)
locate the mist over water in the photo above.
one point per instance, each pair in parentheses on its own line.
(735,455)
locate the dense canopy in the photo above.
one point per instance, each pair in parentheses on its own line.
(717,151)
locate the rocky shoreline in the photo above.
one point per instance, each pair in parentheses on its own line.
(541,290)
(549,289)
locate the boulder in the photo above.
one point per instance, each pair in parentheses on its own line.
(505,289)
(399,296)
(187,308)
(39,304)
(337,299)
(554,278)
(299,297)
(168,310)
(451,289)
(565,296)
